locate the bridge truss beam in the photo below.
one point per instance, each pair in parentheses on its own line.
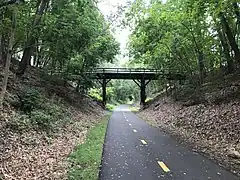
(142,77)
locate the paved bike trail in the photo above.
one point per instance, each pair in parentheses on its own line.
(133,150)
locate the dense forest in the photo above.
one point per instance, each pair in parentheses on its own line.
(196,38)
(193,37)
(70,37)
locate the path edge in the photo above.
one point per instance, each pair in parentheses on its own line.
(103,148)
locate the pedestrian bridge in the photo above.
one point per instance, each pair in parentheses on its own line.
(140,76)
(136,73)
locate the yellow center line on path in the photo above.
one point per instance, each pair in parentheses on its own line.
(163,166)
(134,130)
(143,142)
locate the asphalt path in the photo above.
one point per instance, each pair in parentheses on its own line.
(133,150)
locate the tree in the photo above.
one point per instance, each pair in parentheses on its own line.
(58,36)
(187,36)
(9,55)
(41,8)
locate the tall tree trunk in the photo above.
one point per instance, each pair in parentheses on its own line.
(226,51)
(4,49)
(35,58)
(222,59)
(2,41)
(26,58)
(201,66)
(224,48)
(27,53)
(8,60)
(230,37)
(200,58)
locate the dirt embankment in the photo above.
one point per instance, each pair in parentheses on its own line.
(28,152)
(211,126)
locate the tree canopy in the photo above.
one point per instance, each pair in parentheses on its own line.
(64,36)
(58,35)
(189,36)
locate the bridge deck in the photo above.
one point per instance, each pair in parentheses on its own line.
(135,73)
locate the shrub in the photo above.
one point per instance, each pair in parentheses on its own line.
(148,100)
(95,93)
(41,120)
(13,101)
(110,107)
(54,110)
(19,122)
(30,99)
(41,113)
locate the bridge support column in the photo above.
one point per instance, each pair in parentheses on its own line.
(142,84)
(104,92)
(143,92)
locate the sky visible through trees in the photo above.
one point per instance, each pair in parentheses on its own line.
(108,7)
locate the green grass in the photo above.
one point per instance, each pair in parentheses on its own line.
(148,99)
(110,107)
(87,157)
(134,109)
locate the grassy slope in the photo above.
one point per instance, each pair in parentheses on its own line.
(87,157)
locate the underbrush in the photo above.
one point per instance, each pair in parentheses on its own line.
(217,89)
(111,105)
(134,109)
(37,112)
(95,94)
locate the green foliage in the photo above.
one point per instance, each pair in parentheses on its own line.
(78,37)
(30,99)
(48,115)
(110,93)
(148,99)
(54,109)
(42,113)
(184,36)
(20,122)
(118,91)
(124,90)
(134,109)
(86,159)
(41,120)
(95,93)
(68,36)
(110,107)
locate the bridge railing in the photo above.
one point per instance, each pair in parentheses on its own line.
(123,70)
(128,70)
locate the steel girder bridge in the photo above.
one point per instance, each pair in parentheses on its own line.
(142,77)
